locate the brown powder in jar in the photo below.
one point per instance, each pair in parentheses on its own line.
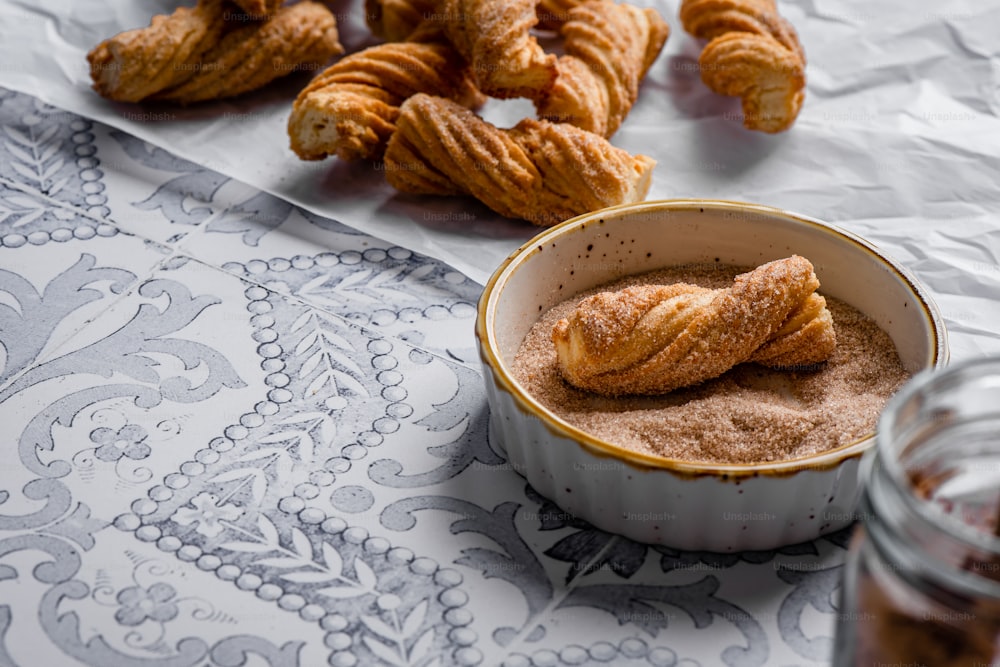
(902,616)
(900,626)
(751,414)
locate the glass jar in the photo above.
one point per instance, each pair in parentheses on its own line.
(921,584)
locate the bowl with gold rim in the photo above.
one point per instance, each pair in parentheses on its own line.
(755,458)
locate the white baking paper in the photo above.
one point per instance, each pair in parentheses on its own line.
(898,140)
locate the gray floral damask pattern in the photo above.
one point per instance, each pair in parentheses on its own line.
(238,433)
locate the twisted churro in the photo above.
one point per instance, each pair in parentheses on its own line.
(553,13)
(395,20)
(302,36)
(211,51)
(609,47)
(135,64)
(350,109)
(752,53)
(495,38)
(538,171)
(651,339)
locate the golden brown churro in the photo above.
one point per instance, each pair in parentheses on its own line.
(395,20)
(609,48)
(553,13)
(752,53)
(538,171)
(651,339)
(495,38)
(212,51)
(350,109)
(298,37)
(135,64)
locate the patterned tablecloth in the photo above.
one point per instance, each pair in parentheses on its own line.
(237,433)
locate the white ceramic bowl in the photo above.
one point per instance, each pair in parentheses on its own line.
(683,504)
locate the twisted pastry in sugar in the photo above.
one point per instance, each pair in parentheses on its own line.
(754,54)
(495,38)
(538,171)
(609,48)
(651,339)
(350,109)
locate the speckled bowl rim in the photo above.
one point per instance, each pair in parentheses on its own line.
(832,458)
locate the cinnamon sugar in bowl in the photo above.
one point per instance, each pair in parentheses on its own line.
(695,486)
